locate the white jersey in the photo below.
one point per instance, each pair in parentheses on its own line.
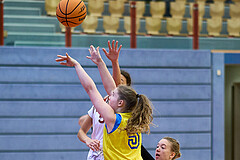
(97,133)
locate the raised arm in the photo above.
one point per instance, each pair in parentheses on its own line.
(106,77)
(113,55)
(103,108)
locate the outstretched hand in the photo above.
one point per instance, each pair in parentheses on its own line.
(114,51)
(95,55)
(69,60)
(94,144)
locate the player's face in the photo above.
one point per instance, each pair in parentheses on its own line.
(113,99)
(123,80)
(163,150)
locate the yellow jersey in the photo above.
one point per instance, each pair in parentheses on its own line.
(117,145)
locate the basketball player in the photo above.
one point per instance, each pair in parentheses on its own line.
(127,115)
(167,149)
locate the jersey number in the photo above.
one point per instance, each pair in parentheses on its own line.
(133,141)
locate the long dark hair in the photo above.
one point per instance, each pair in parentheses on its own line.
(127,76)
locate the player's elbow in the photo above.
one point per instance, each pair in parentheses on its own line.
(90,90)
(80,121)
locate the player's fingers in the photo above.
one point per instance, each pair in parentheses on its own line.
(106,53)
(94,142)
(59,59)
(63,63)
(96,147)
(119,48)
(98,144)
(109,46)
(88,57)
(93,147)
(116,45)
(67,55)
(92,48)
(113,44)
(90,51)
(104,50)
(61,56)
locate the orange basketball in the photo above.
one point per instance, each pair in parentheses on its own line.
(71,13)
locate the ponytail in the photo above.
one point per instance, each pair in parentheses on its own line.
(178,155)
(141,115)
(140,107)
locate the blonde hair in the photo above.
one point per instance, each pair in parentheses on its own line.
(175,147)
(140,107)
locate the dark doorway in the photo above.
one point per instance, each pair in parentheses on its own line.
(236,122)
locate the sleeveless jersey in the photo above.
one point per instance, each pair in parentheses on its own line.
(117,145)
